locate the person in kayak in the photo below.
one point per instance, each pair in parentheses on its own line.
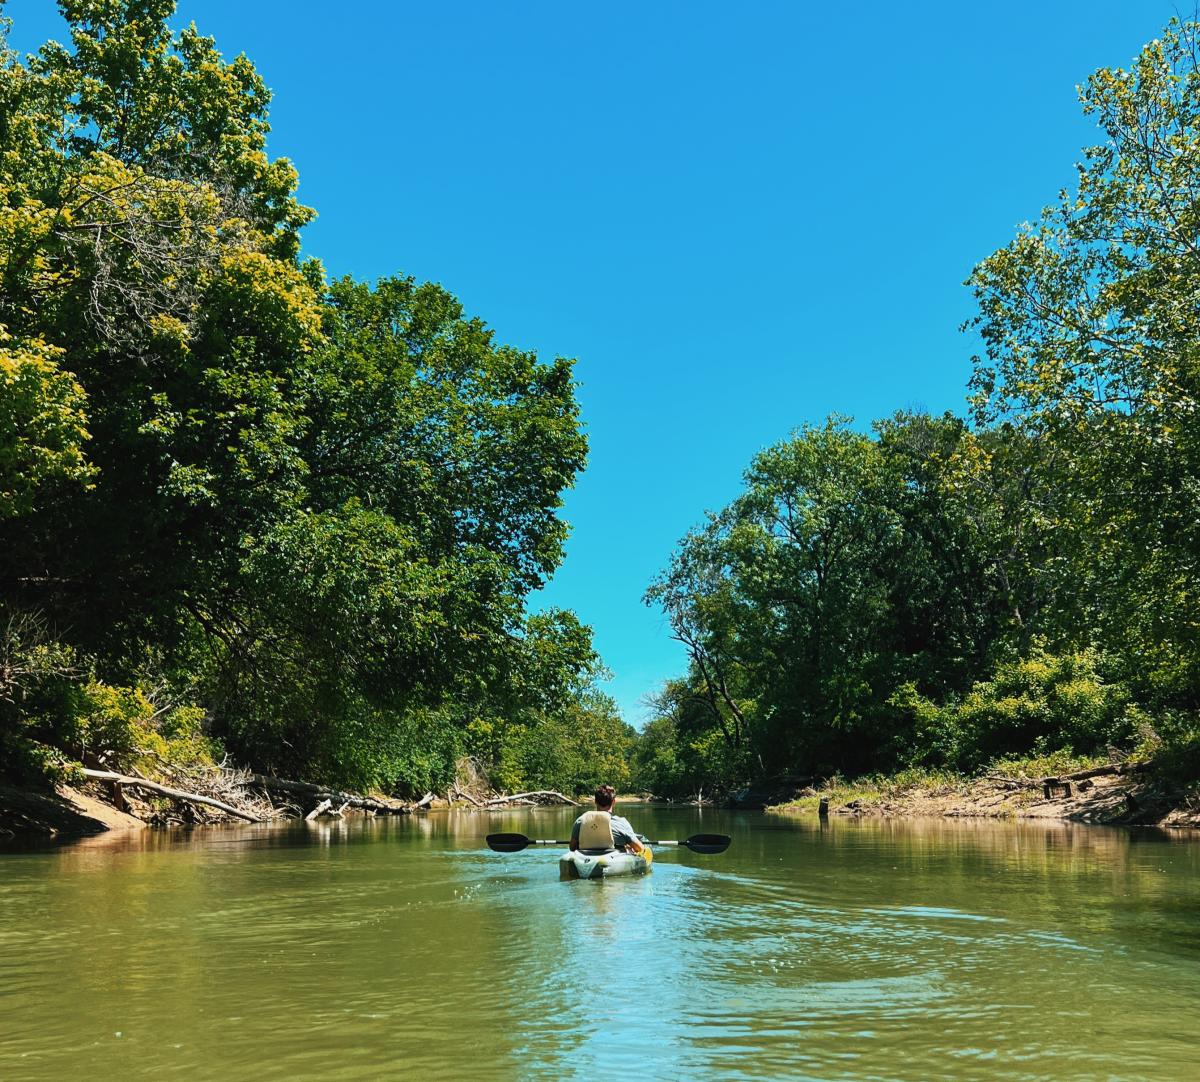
(600,831)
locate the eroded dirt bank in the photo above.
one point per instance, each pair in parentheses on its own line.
(64,811)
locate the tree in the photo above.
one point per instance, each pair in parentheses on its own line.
(792,602)
(317,510)
(1092,331)
(42,433)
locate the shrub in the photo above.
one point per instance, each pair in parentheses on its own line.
(1041,704)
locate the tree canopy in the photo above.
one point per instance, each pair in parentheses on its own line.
(313,510)
(945,591)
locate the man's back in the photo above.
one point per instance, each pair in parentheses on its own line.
(623,833)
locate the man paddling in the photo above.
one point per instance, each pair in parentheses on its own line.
(601,831)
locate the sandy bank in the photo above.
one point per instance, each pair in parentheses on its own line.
(64,811)
(1135,798)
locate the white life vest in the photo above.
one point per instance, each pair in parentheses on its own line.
(595,831)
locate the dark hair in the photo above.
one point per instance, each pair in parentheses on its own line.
(605,795)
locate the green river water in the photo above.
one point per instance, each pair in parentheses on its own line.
(405,949)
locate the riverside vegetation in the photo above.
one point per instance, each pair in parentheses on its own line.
(948,591)
(246,511)
(250,513)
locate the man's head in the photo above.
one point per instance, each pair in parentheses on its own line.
(605,796)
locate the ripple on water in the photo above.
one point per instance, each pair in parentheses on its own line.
(856,952)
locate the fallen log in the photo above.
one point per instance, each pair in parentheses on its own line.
(544,794)
(1098,772)
(467,796)
(1013,783)
(162,790)
(1058,780)
(320,809)
(326,808)
(424,802)
(320,792)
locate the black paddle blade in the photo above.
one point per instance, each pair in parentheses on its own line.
(708,843)
(507,843)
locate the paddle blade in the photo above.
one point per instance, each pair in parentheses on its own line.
(707,843)
(507,843)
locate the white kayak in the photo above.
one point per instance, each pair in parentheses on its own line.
(579,865)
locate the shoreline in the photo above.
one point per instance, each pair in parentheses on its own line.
(61,812)
(106,803)
(1130,796)
(1136,797)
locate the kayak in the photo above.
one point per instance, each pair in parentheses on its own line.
(577,865)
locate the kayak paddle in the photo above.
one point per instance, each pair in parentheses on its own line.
(697,843)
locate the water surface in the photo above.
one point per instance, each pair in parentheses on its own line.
(404,948)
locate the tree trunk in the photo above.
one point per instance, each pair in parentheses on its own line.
(174,794)
(537,793)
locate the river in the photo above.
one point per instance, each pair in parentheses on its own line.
(404,948)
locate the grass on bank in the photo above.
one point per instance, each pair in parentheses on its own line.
(877,789)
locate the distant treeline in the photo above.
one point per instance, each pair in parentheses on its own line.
(244,509)
(1025,580)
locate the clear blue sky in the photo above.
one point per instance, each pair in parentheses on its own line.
(738,217)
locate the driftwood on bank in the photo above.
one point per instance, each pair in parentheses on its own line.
(540,796)
(320,809)
(326,808)
(1098,772)
(163,790)
(1012,783)
(309,791)
(1061,784)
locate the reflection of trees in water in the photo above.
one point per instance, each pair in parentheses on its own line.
(405,941)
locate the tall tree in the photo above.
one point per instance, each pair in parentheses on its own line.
(1092,329)
(318,509)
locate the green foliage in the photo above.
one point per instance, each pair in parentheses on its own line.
(412,753)
(847,571)
(37,689)
(321,508)
(942,595)
(572,750)
(1092,332)
(55,713)
(654,760)
(42,421)
(684,751)
(122,728)
(1039,704)
(1049,764)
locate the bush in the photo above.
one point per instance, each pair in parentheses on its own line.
(670,759)
(55,712)
(572,750)
(1040,704)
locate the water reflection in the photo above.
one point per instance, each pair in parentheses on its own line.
(375,948)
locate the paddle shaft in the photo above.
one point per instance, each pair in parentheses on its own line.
(698,843)
(560,841)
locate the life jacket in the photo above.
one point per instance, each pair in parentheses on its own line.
(595,831)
